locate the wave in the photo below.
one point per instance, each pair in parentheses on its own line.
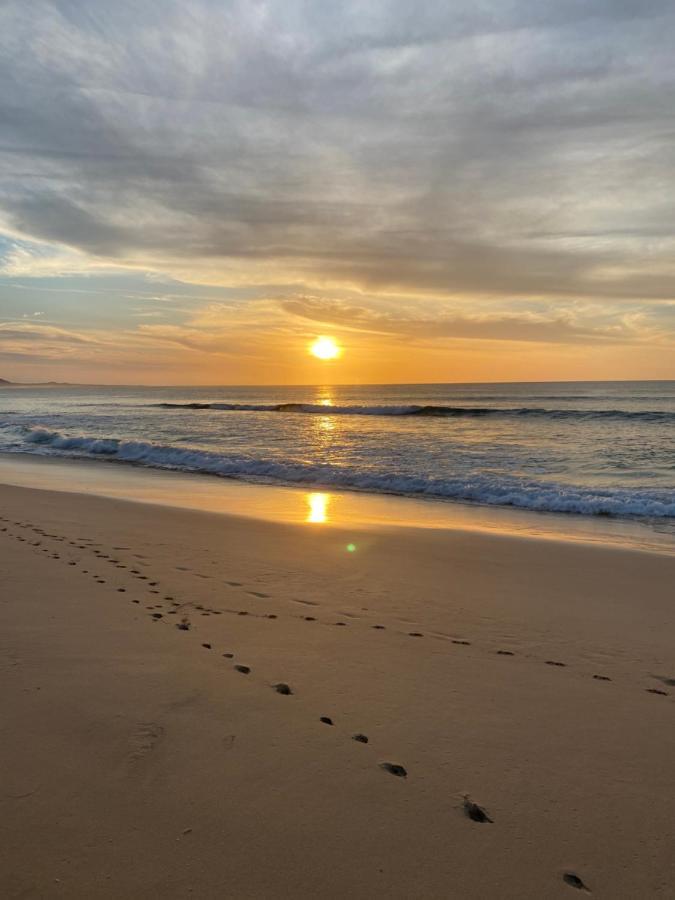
(484,488)
(450,412)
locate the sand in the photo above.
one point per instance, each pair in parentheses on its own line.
(534,677)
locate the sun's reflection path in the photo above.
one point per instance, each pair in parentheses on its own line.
(325,397)
(318,507)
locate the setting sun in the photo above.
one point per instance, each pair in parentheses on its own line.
(325,348)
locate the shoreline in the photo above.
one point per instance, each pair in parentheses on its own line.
(322,507)
(535,677)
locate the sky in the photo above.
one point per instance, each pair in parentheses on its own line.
(475,190)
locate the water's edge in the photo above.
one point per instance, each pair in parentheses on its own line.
(340,509)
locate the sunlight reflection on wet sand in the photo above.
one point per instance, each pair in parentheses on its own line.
(318,507)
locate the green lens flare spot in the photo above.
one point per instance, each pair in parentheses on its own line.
(351,548)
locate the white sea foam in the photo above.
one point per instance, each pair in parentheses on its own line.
(483,487)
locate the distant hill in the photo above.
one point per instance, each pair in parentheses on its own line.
(5,383)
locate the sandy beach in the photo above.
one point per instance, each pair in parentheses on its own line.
(337,471)
(320,734)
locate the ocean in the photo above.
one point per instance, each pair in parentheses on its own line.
(591,448)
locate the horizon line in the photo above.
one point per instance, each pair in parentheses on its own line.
(9,383)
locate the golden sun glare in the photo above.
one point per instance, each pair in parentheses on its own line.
(325,348)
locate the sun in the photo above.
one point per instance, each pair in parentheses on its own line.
(325,348)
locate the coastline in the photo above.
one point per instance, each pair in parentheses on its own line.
(534,676)
(322,507)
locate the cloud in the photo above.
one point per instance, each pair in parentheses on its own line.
(29,331)
(493,148)
(491,327)
(31,340)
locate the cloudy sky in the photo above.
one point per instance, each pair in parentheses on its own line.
(471,190)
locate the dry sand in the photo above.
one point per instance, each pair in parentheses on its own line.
(535,677)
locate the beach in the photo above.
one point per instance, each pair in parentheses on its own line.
(337,470)
(397,684)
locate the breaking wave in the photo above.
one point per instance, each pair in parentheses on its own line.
(481,487)
(449,412)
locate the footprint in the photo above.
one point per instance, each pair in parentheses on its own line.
(415,634)
(394,769)
(282,688)
(309,619)
(234,583)
(505,653)
(144,739)
(553,662)
(326,720)
(257,594)
(574,881)
(243,669)
(602,678)
(378,627)
(463,643)
(183,625)
(361,738)
(206,646)
(228,655)
(657,691)
(475,812)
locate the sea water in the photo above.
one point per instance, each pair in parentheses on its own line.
(592,448)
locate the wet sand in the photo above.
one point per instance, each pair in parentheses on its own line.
(199,704)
